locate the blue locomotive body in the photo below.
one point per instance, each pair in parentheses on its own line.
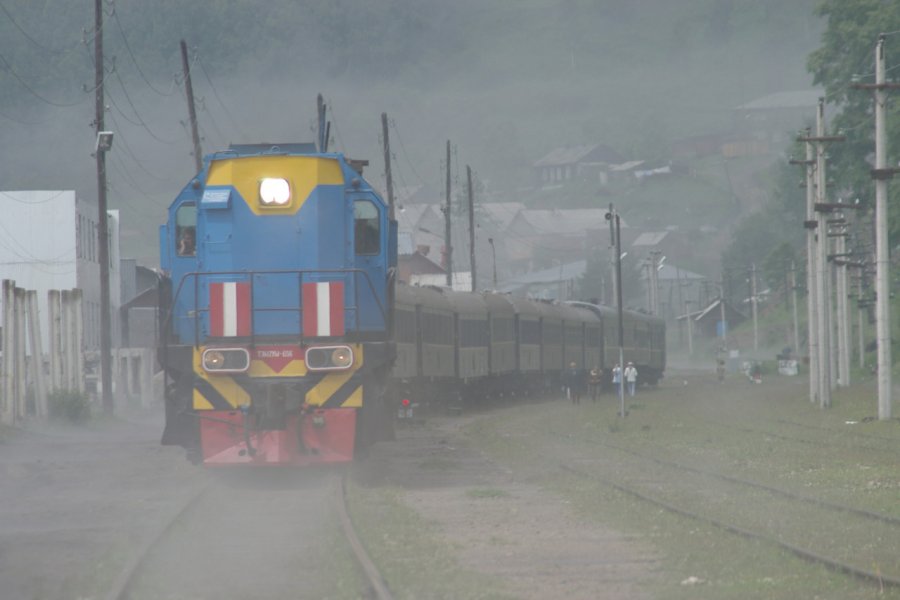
(276,307)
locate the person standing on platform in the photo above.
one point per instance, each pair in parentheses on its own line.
(631,378)
(617,378)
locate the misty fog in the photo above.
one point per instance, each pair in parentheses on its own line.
(504,81)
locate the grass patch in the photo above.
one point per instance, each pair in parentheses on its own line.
(768,433)
(409,552)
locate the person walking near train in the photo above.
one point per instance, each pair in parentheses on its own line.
(631,377)
(573,380)
(617,378)
(595,380)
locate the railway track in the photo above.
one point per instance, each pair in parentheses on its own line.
(126,585)
(659,490)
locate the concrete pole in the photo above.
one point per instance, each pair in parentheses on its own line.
(796,322)
(78,344)
(882,248)
(859,321)
(37,355)
(53,335)
(65,363)
(842,324)
(20,370)
(812,286)
(822,266)
(690,327)
(8,402)
(754,307)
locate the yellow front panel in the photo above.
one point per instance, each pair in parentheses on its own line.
(303,173)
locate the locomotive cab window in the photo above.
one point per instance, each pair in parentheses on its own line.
(186,229)
(366,227)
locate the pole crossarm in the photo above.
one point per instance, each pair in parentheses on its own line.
(876,86)
(884,174)
(833,206)
(823,138)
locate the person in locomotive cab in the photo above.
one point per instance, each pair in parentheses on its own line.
(595,380)
(573,380)
(631,377)
(187,243)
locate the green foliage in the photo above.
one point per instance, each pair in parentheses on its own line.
(847,55)
(69,405)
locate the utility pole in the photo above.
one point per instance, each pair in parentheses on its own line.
(387,165)
(494,260)
(881,174)
(812,318)
(690,327)
(859,319)
(192,113)
(722,313)
(823,286)
(794,307)
(615,227)
(448,247)
(753,306)
(840,275)
(471,226)
(103,218)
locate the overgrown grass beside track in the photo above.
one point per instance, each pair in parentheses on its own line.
(691,445)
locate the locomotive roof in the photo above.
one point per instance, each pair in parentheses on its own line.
(286,148)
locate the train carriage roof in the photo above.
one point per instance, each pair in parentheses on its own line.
(426,297)
(525,307)
(466,303)
(498,303)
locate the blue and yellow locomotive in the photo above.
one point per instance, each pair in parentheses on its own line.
(276,308)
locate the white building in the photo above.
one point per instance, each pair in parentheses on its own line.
(48,241)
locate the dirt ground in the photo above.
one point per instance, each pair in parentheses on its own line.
(75,502)
(502,526)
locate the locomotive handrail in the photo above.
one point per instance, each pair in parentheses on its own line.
(251,276)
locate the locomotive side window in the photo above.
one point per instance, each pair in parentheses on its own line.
(186,229)
(366,227)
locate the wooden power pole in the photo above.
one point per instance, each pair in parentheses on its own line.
(448,246)
(102,220)
(192,113)
(389,180)
(471,225)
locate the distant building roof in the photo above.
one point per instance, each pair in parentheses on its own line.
(795,99)
(649,238)
(501,213)
(571,155)
(672,273)
(573,221)
(554,274)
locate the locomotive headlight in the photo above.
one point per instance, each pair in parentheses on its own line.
(329,358)
(274,192)
(342,357)
(225,360)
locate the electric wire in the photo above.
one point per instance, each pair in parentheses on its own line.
(115,15)
(31,38)
(34,92)
(123,141)
(141,122)
(219,98)
(403,149)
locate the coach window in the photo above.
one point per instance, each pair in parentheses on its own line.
(186,229)
(366,227)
